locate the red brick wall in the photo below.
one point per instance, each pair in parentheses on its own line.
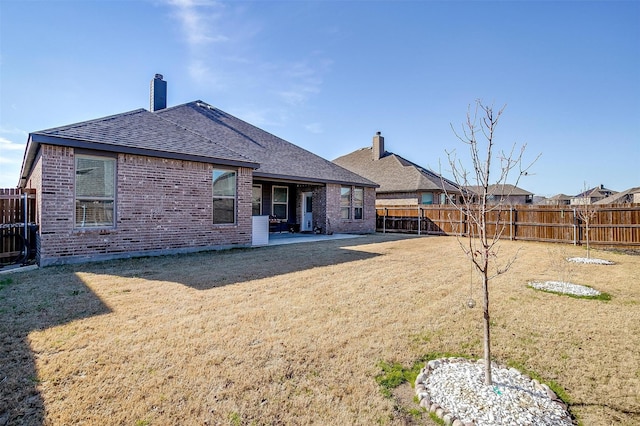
(339,225)
(162,206)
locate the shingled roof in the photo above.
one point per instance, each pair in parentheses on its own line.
(394,173)
(194,132)
(502,190)
(627,196)
(277,158)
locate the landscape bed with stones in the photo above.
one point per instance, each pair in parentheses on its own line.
(453,389)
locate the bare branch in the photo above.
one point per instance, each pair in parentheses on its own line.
(482,245)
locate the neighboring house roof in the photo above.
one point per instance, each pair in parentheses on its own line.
(193,132)
(560,197)
(394,173)
(598,192)
(501,190)
(621,197)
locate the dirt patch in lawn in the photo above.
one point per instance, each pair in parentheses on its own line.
(294,334)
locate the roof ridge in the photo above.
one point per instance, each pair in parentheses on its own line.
(203,104)
(95,120)
(429,172)
(197,133)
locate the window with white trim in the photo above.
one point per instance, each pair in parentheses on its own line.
(95,187)
(280,202)
(427,198)
(358,203)
(224,197)
(256,200)
(345,202)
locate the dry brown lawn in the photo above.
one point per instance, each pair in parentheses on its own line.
(294,334)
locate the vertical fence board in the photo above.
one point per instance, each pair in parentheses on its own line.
(12,219)
(613,225)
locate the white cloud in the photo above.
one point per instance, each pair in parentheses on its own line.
(7,145)
(10,159)
(297,95)
(314,128)
(228,57)
(13,131)
(305,79)
(197,18)
(199,71)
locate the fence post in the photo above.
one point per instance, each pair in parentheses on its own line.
(419,218)
(511,223)
(575,235)
(384,221)
(25,213)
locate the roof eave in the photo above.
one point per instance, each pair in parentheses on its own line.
(304,179)
(84,144)
(30,153)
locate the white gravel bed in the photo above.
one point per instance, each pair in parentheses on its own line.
(454,389)
(589,261)
(566,288)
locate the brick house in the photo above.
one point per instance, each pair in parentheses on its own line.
(591,196)
(506,194)
(179,179)
(401,181)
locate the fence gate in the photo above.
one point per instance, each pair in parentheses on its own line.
(17,225)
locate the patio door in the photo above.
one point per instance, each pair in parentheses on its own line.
(306,224)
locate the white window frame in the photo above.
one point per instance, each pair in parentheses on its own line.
(280,203)
(345,209)
(358,205)
(215,197)
(422,198)
(256,186)
(82,221)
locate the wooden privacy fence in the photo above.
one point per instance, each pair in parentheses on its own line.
(612,225)
(17,224)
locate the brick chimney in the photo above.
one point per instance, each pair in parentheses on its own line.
(158,93)
(378,146)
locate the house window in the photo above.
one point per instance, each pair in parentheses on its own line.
(345,202)
(447,198)
(95,191)
(256,200)
(427,198)
(224,197)
(358,203)
(280,202)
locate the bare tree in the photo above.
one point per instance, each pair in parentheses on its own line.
(586,212)
(481,246)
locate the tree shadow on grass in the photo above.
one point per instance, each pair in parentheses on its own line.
(28,303)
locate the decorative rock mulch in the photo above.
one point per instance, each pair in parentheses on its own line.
(454,390)
(590,261)
(565,288)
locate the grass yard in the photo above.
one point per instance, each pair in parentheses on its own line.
(296,334)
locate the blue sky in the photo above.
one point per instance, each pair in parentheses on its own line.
(327,75)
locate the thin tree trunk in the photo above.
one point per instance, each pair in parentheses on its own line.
(487,326)
(486,252)
(587,232)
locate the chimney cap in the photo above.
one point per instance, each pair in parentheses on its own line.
(158,77)
(378,133)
